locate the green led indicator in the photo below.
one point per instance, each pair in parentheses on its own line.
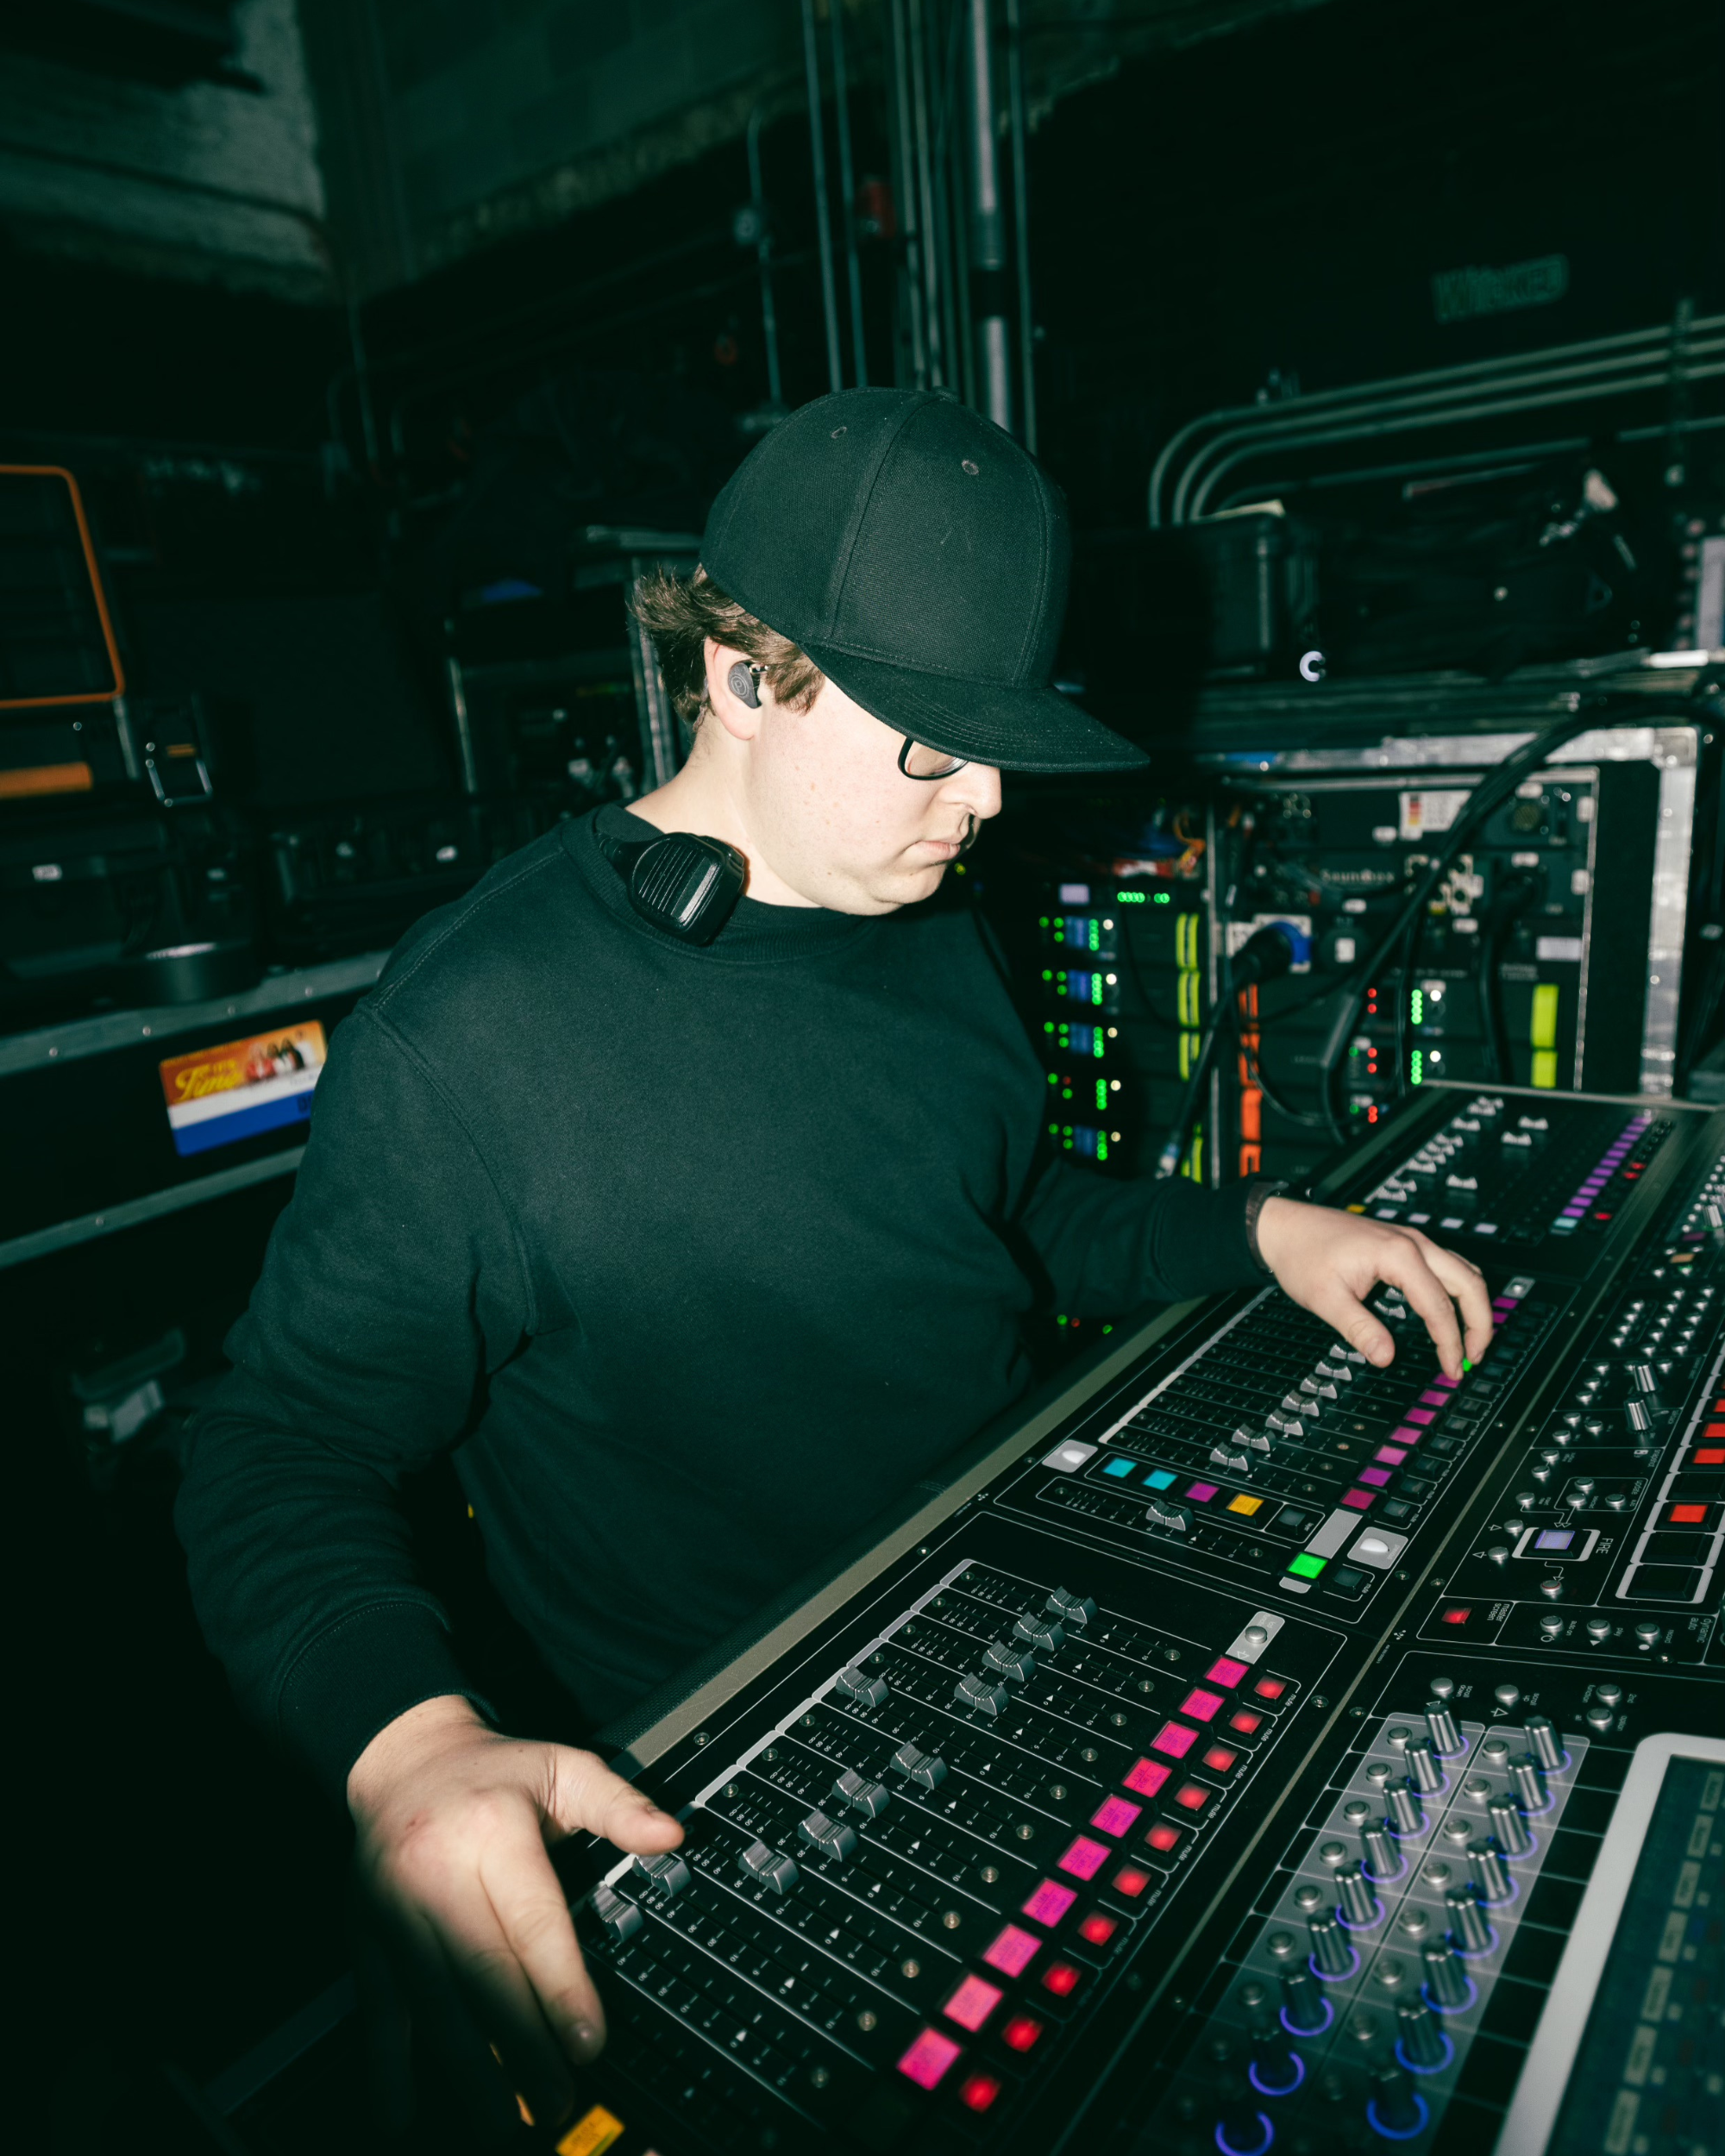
(1102,1147)
(1417,1068)
(1306,1566)
(1096,1042)
(1159,898)
(1101,1093)
(1417,1005)
(1466,1366)
(1095,987)
(1095,936)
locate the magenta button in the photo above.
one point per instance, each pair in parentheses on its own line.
(1085,1859)
(1421,1414)
(1359,1499)
(1434,1397)
(1403,1435)
(928,2058)
(1200,1493)
(1445,1384)
(1378,1477)
(1392,1455)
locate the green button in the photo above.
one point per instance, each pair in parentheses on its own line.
(1306,1567)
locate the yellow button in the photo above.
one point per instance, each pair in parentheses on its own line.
(1245,1504)
(591,2134)
(1355,1208)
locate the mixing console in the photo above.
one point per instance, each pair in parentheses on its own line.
(1226,1757)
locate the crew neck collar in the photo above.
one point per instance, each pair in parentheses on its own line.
(754,932)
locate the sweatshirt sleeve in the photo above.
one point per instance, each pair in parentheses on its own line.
(392,1288)
(1109,1246)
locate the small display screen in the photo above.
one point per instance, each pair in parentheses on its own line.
(217,1096)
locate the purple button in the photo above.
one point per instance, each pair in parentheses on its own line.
(1378,1475)
(1200,1493)
(1443,1385)
(1432,1399)
(1403,1435)
(1419,1414)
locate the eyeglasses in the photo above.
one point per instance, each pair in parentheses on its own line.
(918,761)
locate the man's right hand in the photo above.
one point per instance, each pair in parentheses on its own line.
(453,1822)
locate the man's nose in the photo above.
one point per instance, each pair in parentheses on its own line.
(977,788)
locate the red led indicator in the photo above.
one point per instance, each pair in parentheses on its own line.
(978,2093)
(1713,1456)
(1098,1929)
(1130,1882)
(1219,1760)
(1021,2033)
(1687,1515)
(1457,1616)
(1269,1688)
(1164,1836)
(1061,1979)
(1191,1797)
(1246,1723)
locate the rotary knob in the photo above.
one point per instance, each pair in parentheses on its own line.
(1509,1827)
(1490,1873)
(1396,2108)
(1332,1956)
(1304,2008)
(1358,1903)
(1382,1858)
(1469,1930)
(1440,1722)
(1405,1815)
(1423,1770)
(1421,2043)
(1528,1773)
(1447,1981)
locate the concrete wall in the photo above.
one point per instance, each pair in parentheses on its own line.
(209,181)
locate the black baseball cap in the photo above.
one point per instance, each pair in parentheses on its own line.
(919,557)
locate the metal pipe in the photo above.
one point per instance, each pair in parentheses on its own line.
(763,258)
(947,179)
(902,125)
(829,297)
(1299,419)
(1623,342)
(987,249)
(1015,98)
(932,312)
(847,188)
(1368,429)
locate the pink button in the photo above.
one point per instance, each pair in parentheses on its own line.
(928,2058)
(1375,1476)
(1200,1493)
(1200,1705)
(1049,1902)
(1391,1455)
(1013,1951)
(1085,1859)
(1174,1740)
(1421,1415)
(1359,1499)
(1445,1384)
(1225,1671)
(1145,1777)
(972,2003)
(1114,1815)
(1432,1399)
(1405,1436)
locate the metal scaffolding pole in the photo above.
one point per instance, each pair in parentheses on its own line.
(987,224)
(847,190)
(829,297)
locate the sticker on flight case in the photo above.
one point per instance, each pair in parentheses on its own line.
(219,1095)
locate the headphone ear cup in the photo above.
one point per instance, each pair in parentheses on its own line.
(744,687)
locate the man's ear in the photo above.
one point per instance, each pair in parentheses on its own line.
(740,717)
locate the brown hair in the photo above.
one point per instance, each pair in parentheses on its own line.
(680,613)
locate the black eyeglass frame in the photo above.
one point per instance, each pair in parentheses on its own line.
(926,778)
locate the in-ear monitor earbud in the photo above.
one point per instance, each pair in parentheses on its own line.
(745,684)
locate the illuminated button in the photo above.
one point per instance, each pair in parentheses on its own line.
(1145,1777)
(1129,1881)
(1225,1671)
(1164,1836)
(1011,1951)
(1555,1538)
(928,2058)
(1114,1815)
(1200,1705)
(1456,1616)
(1085,1859)
(977,2092)
(1175,1739)
(1245,1504)
(1191,1797)
(1357,1501)
(1049,1902)
(1120,1468)
(1306,1566)
(1200,1493)
(1061,1979)
(1158,1478)
(1220,1759)
(1269,1688)
(1023,2032)
(1711,1456)
(972,2002)
(1244,1723)
(1096,1929)
(1687,1515)
(1391,1455)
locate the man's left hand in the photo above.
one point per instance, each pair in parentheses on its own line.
(1330,1261)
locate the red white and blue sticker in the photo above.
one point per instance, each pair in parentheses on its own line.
(217,1096)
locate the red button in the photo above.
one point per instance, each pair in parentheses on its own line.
(1246,1723)
(1164,1835)
(979,2093)
(1219,1760)
(1457,1616)
(1021,2033)
(1130,1882)
(1270,1687)
(1098,1929)
(1687,1515)
(1711,1456)
(1061,1979)
(1191,1797)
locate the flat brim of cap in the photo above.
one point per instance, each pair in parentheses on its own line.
(1035,730)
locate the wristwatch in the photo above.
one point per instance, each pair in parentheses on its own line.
(1259,1191)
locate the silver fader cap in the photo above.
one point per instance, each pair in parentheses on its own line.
(769,1868)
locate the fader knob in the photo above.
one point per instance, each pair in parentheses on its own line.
(1542,1736)
(1509,1827)
(1528,1776)
(1447,1981)
(1469,1930)
(1491,1873)
(1441,1722)
(1397,2107)
(1304,2007)
(1358,1903)
(1382,1858)
(1423,1770)
(1405,1815)
(1421,2043)
(1332,1956)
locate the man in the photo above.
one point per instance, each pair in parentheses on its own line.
(695,1254)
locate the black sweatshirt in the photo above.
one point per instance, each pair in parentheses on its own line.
(696,1258)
